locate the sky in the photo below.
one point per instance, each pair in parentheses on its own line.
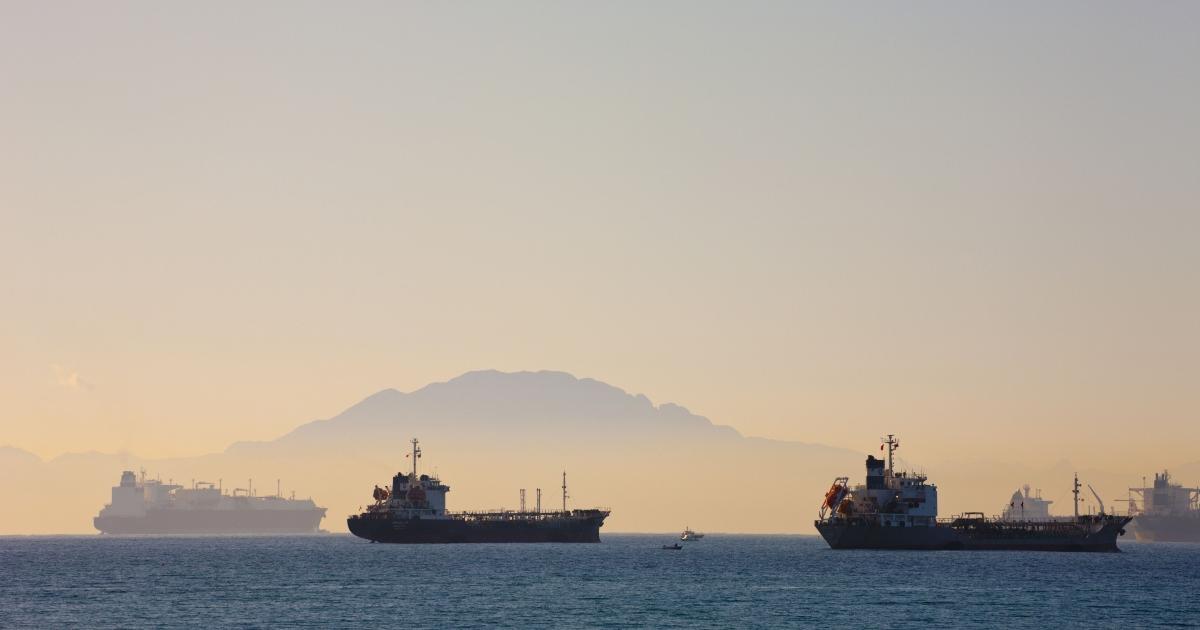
(971,224)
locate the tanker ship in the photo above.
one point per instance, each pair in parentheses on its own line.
(149,506)
(413,510)
(1169,511)
(898,510)
(1027,506)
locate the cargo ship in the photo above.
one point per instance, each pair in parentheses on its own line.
(413,510)
(149,506)
(1027,506)
(898,510)
(1169,512)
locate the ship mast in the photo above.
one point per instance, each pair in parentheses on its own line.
(416,454)
(1075,492)
(892,444)
(564,489)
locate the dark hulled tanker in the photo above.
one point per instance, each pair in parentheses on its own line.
(898,510)
(413,510)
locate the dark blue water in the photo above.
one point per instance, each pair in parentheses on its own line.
(722,581)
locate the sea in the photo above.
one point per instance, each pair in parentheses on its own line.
(626,581)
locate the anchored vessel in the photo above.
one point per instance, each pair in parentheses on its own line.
(414,511)
(898,510)
(149,506)
(1027,506)
(1169,511)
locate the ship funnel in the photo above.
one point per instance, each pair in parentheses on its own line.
(874,473)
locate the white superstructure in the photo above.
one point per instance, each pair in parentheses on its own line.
(889,498)
(1027,506)
(134,497)
(413,495)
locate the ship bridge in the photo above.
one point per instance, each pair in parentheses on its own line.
(889,497)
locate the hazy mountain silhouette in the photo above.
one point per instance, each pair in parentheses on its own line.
(488,434)
(13,456)
(500,405)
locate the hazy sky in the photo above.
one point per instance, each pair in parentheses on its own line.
(975,225)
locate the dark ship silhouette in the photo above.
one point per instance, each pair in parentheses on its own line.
(898,510)
(413,510)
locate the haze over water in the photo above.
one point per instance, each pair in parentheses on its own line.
(971,224)
(701,255)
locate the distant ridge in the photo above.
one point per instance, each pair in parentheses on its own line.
(658,466)
(488,399)
(489,433)
(14,455)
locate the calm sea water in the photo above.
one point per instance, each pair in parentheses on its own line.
(628,580)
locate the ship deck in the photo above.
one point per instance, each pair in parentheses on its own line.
(506,515)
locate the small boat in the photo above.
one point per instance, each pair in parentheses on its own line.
(674,547)
(688,534)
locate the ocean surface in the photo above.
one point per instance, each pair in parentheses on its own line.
(626,581)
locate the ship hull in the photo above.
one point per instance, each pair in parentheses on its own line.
(385,529)
(1167,528)
(991,537)
(213,522)
(843,536)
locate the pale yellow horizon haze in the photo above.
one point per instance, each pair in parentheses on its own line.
(975,226)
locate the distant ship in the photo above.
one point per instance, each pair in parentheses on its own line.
(1169,511)
(149,506)
(898,510)
(688,534)
(413,510)
(1027,506)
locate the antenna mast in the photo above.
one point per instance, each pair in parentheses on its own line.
(416,454)
(1075,491)
(892,444)
(564,488)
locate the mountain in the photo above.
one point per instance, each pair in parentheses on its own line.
(488,434)
(13,456)
(500,406)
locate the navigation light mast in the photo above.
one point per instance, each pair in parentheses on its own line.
(564,488)
(416,454)
(892,445)
(1075,491)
